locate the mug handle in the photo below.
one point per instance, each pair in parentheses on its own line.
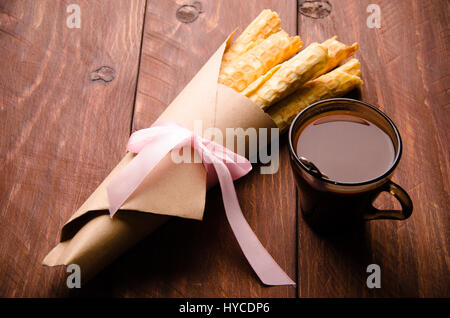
(402,197)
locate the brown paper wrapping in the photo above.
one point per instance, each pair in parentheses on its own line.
(92,239)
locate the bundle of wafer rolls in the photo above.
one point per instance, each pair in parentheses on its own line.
(269,67)
(261,81)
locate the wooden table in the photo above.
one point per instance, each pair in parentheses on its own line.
(70,97)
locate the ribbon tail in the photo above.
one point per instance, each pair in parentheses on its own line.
(132,175)
(267,269)
(153,145)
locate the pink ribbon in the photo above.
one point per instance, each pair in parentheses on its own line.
(154,143)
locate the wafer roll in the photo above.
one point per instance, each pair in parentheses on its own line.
(260,81)
(292,74)
(338,52)
(333,84)
(246,68)
(352,67)
(264,25)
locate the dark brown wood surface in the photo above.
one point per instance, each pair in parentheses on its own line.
(406,71)
(172,54)
(69,99)
(61,131)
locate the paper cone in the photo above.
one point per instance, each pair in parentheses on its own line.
(92,239)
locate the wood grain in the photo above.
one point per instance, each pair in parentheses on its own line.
(203,259)
(61,132)
(405,68)
(68,98)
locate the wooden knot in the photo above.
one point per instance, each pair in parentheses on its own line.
(188,13)
(104,73)
(316,9)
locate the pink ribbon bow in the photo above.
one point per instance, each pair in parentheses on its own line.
(154,143)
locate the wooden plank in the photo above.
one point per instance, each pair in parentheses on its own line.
(55,148)
(202,259)
(62,127)
(406,73)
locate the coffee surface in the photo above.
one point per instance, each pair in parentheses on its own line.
(346,148)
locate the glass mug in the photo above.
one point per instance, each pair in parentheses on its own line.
(330,206)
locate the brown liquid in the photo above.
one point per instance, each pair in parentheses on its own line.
(346,148)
